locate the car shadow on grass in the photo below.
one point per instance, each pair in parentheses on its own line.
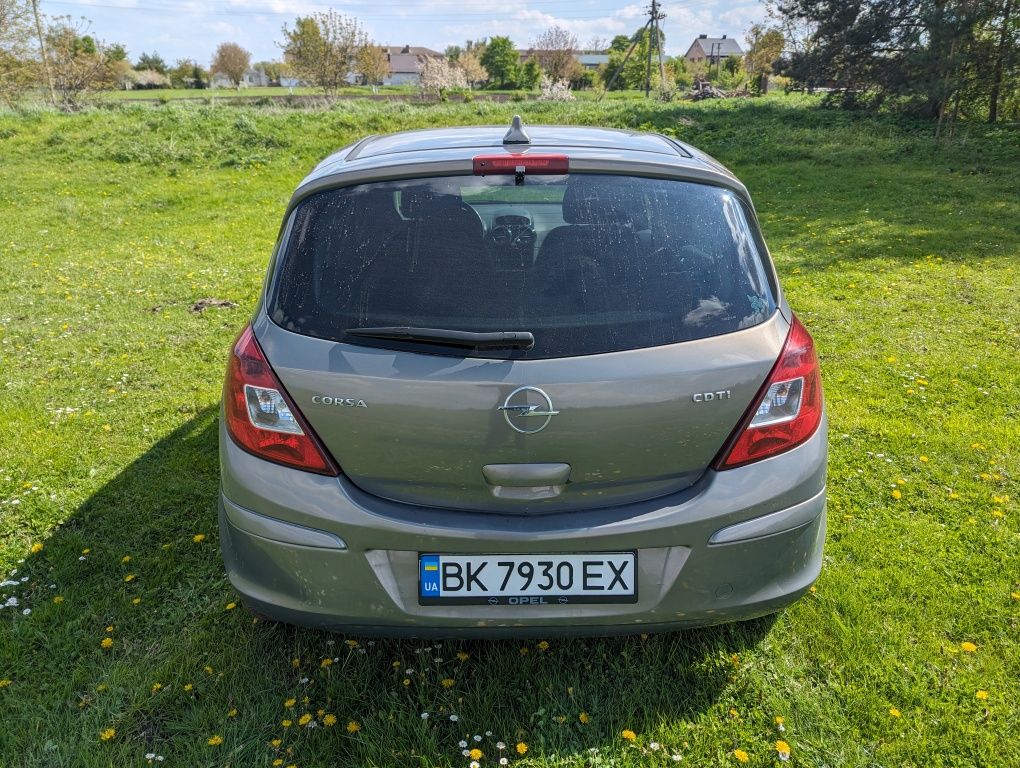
(138,563)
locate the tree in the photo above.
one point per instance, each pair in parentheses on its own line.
(152,61)
(373,64)
(764,48)
(186,73)
(78,62)
(530,74)
(231,61)
(632,74)
(471,63)
(501,61)
(322,48)
(555,49)
(453,52)
(439,75)
(18,69)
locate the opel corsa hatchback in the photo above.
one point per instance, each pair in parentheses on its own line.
(536,383)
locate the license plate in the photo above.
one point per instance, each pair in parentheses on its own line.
(600,577)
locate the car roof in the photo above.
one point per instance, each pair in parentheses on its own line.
(444,151)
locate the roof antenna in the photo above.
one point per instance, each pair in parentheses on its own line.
(516,134)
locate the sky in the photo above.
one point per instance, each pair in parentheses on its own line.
(193,28)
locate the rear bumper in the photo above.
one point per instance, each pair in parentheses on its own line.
(316,551)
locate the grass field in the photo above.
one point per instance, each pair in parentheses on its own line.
(900,254)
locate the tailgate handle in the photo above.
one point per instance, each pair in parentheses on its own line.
(526,475)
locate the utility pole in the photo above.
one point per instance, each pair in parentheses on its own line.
(42,50)
(654,17)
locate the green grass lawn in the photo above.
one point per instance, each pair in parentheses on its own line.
(900,254)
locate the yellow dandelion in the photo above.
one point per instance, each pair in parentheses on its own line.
(351,643)
(583,718)
(188,687)
(395,665)
(232,712)
(447,682)
(1015,595)
(5,682)
(289,703)
(897,494)
(628,734)
(278,761)
(475,754)
(304,720)
(126,559)
(780,721)
(101,687)
(136,600)
(741,755)
(406,681)
(782,749)
(968,647)
(543,646)
(215,740)
(109,629)
(525,650)
(198,538)
(37,547)
(207,669)
(275,743)
(230,606)
(982,695)
(463,656)
(107,642)
(286,723)
(329,721)
(734,713)
(353,726)
(157,687)
(923,459)
(86,551)
(107,734)
(521,747)
(325,662)
(893,712)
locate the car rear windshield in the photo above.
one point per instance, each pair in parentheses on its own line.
(587,263)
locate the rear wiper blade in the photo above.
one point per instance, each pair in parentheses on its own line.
(491,340)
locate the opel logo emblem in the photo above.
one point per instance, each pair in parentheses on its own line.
(524,404)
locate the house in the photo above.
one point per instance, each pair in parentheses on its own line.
(253,78)
(712,50)
(592,60)
(405,63)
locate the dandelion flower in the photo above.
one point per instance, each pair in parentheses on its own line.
(230,606)
(741,755)
(463,656)
(780,724)
(504,761)
(733,713)
(215,740)
(447,682)
(107,734)
(329,721)
(107,642)
(286,723)
(278,762)
(188,687)
(454,718)
(129,578)
(58,599)
(275,743)
(156,687)
(628,734)
(353,726)
(5,682)
(982,695)
(783,750)
(198,538)
(232,712)
(406,681)
(475,754)
(543,646)
(136,600)
(207,669)
(896,494)
(126,559)
(924,459)
(351,643)
(304,720)
(968,647)
(583,718)
(893,712)
(37,547)
(325,662)
(522,748)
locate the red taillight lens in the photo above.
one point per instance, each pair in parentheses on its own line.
(261,417)
(505,163)
(788,409)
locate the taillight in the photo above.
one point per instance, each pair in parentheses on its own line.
(510,163)
(261,417)
(786,411)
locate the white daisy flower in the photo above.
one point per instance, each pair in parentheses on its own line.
(462,743)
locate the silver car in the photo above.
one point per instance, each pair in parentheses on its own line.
(519,382)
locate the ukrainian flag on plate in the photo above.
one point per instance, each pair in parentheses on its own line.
(429,578)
